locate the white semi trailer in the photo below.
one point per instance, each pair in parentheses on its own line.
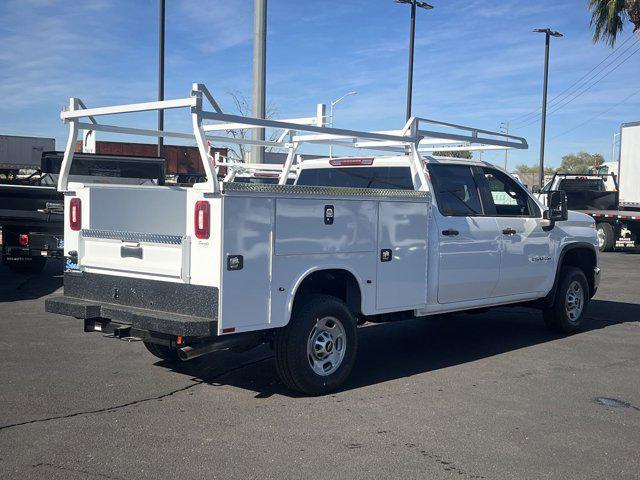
(23,153)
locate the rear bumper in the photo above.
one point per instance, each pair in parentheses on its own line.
(145,305)
(138,318)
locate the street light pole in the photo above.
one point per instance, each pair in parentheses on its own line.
(548,33)
(412,35)
(333,104)
(161,23)
(259,73)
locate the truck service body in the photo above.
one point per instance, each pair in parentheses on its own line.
(299,266)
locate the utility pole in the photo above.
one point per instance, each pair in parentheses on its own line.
(259,73)
(412,35)
(548,33)
(613,147)
(161,23)
(504,128)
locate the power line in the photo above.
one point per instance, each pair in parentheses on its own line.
(555,98)
(570,98)
(560,99)
(598,115)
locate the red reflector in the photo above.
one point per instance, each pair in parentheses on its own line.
(344,162)
(23,239)
(201,220)
(229,330)
(75,214)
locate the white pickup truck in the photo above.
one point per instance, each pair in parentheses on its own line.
(358,239)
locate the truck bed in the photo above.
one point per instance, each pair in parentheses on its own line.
(27,205)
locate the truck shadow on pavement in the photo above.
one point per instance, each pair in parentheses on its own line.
(18,286)
(389,352)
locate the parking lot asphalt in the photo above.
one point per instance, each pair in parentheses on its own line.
(491,395)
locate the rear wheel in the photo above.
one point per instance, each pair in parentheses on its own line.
(572,296)
(163,352)
(316,351)
(606,237)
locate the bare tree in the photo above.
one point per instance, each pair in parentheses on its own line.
(242,107)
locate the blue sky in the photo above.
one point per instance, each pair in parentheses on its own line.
(477,63)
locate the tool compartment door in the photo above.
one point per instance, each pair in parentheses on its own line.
(246,263)
(402,255)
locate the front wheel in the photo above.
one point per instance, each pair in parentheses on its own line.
(316,351)
(571,299)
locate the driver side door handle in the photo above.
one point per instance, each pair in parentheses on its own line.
(450,232)
(508,231)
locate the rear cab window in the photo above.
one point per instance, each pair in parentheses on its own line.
(398,178)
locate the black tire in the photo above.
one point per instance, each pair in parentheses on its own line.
(163,352)
(558,317)
(32,265)
(293,342)
(606,237)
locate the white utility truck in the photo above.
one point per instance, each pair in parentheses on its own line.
(360,239)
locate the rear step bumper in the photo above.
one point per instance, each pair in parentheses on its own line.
(138,318)
(151,305)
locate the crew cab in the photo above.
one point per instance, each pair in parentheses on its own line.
(355,240)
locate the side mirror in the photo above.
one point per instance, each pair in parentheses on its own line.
(557,211)
(535,189)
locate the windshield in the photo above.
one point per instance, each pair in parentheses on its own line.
(358,177)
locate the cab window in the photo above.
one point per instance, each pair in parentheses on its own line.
(507,197)
(455,189)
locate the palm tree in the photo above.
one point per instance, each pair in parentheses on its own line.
(608,18)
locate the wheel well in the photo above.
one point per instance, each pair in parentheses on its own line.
(335,282)
(583,258)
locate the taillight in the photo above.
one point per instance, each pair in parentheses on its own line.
(201,220)
(344,162)
(75,214)
(23,239)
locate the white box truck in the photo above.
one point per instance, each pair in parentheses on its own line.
(299,267)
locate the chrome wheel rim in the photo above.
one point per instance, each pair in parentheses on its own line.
(326,346)
(574,301)
(600,234)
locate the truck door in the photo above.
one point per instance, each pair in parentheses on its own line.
(469,255)
(527,253)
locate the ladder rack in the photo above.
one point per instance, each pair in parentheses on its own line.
(409,140)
